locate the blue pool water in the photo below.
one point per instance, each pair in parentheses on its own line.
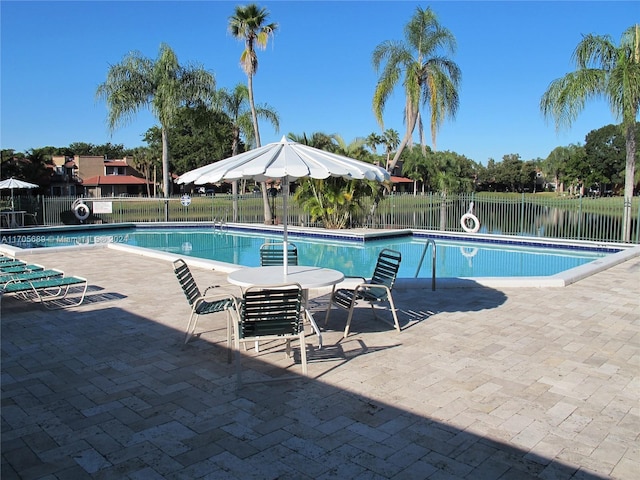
(453,258)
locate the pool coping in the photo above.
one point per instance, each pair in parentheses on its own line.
(562,279)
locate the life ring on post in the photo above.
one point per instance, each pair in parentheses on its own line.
(470,217)
(81,211)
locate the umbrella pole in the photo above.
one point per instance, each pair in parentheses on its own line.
(285,246)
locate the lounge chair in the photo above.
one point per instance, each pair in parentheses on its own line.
(376,290)
(47,291)
(20,269)
(274,312)
(272,254)
(200,303)
(13,262)
(29,276)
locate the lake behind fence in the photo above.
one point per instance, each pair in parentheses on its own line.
(579,218)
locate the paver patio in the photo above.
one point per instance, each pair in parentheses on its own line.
(481,383)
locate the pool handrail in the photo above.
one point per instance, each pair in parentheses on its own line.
(428,242)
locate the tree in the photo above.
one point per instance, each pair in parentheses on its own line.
(144,162)
(531,175)
(323,141)
(354,149)
(417,167)
(429,76)
(248,24)
(555,164)
(575,168)
(162,85)
(108,150)
(509,172)
(391,140)
(198,136)
(12,163)
(605,155)
(333,199)
(82,148)
(30,166)
(235,104)
(603,70)
(373,140)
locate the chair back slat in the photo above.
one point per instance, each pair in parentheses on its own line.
(387,268)
(186,280)
(273,254)
(271,311)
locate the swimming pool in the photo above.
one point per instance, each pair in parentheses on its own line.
(353,256)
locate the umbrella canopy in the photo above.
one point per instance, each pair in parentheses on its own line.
(288,161)
(11,183)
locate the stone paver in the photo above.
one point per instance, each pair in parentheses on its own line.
(481,383)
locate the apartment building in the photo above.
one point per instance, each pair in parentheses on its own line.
(95,176)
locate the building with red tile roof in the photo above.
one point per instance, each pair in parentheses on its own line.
(96,176)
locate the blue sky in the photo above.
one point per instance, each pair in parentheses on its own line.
(316,72)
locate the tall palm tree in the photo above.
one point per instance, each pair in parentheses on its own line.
(430,78)
(603,70)
(248,23)
(235,105)
(162,85)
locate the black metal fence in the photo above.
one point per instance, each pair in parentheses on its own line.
(580,218)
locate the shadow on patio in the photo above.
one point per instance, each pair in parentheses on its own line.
(106,393)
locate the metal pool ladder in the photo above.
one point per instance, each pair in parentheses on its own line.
(431,242)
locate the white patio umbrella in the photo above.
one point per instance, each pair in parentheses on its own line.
(11,183)
(288,161)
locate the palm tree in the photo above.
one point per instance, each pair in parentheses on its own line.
(373,140)
(391,140)
(234,104)
(603,70)
(162,85)
(333,200)
(429,76)
(248,24)
(354,149)
(323,141)
(417,166)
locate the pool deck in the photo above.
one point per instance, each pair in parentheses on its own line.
(481,383)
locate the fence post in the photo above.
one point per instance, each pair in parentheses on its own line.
(44,213)
(637,225)
(522,213)
(580,217)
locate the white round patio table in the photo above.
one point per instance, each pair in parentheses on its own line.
(307,277)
